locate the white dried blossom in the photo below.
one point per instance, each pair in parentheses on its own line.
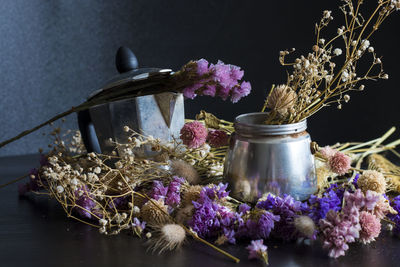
(126,129)
(322,41)
(74,181)
(346,98)
(136,209)
(371,49)
(103,222)
(327,14)
(97,170)
(337,51)
(60,189)
(385,76)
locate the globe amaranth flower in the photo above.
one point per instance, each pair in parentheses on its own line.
(257,250)
(327,152)
(370,227)
(215,80)
(372,180)
(194,134)
(339,163)
(282,99)
(217,138)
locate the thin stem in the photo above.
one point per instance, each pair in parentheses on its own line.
(13,181)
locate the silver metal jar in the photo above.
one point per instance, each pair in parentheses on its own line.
(273,159)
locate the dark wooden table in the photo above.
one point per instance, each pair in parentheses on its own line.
(34,231)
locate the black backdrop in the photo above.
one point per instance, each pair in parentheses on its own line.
(54,53)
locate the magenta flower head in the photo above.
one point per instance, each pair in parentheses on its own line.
(257,250)
(194,134)
(217,138)
(339,163)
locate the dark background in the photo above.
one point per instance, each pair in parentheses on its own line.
(54,53)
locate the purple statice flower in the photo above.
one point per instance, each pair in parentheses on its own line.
(32,185)
(240,91)
(221,80)
(257,250)
(159,191)
(84,200)
(211,219)
(119,202)
(395,203)
(214,192)
(288,209)
(210,90)
(139,225)
(243,208)
(173,196)
(202,67)
(260,226)
(229,235)
(190,91)
(330,200)
(355,180)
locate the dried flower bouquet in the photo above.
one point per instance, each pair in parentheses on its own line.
(328,74)
(178,193)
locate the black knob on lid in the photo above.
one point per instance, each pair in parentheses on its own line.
(125,60)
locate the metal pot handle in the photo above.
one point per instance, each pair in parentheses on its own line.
(88,132)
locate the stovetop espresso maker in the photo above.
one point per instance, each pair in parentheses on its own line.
(160,115)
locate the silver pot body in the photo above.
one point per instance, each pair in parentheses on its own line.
(159,115)
(266,159)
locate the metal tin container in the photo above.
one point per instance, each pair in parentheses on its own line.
(273,159)
(159,114)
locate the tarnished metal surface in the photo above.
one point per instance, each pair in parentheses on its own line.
(269,159)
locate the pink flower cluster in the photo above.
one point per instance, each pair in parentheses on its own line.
(358,220)
(195,134)
(218,80)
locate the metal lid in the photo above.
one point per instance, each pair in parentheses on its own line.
(127,65)
(251,124)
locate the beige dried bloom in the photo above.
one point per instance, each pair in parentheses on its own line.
(372,180)
(305,225)
(191,193)
(281,99)
(155,212)
(184,214)
(168,237)
(183,169)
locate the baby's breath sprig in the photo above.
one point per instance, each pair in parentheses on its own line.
(318,80)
